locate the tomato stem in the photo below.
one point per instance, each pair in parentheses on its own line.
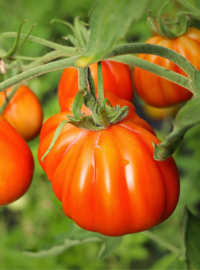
(100,88)
(171,55)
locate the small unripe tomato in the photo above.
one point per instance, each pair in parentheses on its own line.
(108,181)
(116,79)
(16,164)
(157,91)
(24,112)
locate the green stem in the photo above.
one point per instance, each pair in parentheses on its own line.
(100,88)
(145,48)
(82,78)
(69,51)
(60,64)
(44,59)
(12,92)
(189,6)
(162,242)
(156,69)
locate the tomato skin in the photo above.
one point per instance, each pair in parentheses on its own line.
(108,181)
(157,91)
(16,164)
(116,78)
(24,112)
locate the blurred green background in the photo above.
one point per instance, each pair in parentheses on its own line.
(38,216)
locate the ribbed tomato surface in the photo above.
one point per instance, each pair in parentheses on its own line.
(108,181)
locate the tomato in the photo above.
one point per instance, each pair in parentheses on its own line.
(23,112)
(157,91)
(16,164)
(116,79)
(157,114)
(108,181)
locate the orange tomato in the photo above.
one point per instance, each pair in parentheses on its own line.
(116,79)
(108,180)
(24,112)
(157,91)
(16,164)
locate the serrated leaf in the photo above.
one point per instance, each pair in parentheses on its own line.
(110,21)
(192,240)
(177,264)
(74,237)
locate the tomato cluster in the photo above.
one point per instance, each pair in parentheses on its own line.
(108,180)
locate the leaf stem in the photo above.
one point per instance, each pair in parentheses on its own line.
(156,69)
(69,51)
(145,48)
(60,64)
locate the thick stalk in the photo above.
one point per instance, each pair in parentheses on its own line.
(156,69)
(145,48)
(69,51)
(100,83)
(82,79)
(60,64)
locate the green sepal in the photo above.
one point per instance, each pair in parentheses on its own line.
(77,105)
(55,137)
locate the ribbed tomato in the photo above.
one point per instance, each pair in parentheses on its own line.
(108,181)
(157,91)
(24,112)
(16,164)
(116,79)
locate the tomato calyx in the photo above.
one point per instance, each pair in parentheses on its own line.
(103,114)
(169,28)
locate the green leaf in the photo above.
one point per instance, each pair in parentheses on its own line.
(192,240)
(74,237)
(110,21)
(177,264)
(186,118)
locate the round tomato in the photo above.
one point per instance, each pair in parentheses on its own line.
(108,180)
(157,91)
(23,112)
(116,79)
(16,164)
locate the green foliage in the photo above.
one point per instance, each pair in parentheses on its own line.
(110,21)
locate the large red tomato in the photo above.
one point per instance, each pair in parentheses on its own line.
(157,91)
(16,164)
(108,181)
(23,112)
(116,79)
